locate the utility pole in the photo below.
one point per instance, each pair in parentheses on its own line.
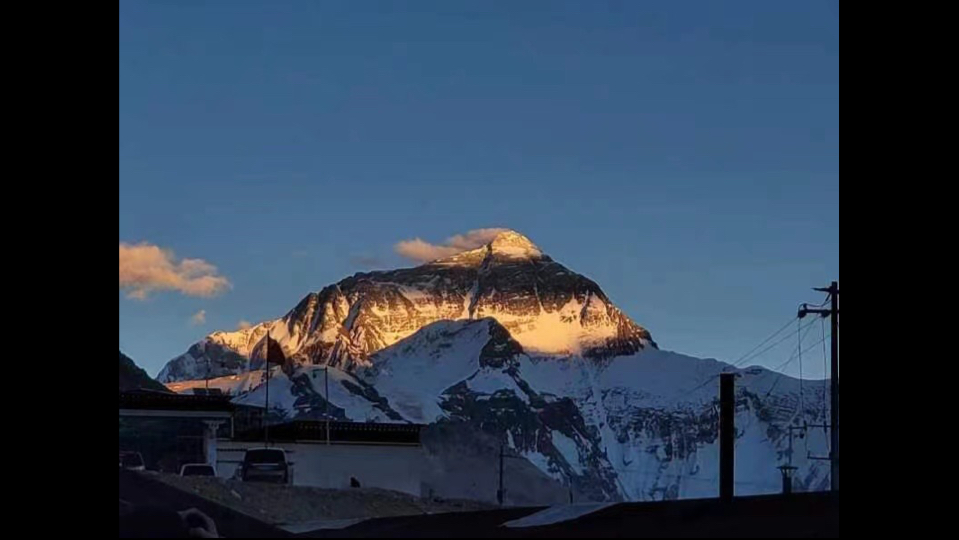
(727,437)
(266,412)
(832,313)
(328,437)
(500,494)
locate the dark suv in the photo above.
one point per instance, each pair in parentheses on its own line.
(196,469)
(132,461)
(266,465)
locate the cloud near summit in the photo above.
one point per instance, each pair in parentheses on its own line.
(421,251)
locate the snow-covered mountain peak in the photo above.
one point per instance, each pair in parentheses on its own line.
(507,246)
(514,245)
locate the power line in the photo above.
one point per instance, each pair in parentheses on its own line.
(791,359)
(750,356)
(794,356)
(753,354)
(767,340)
(780,342)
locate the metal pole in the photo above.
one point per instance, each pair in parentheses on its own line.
(266,413)
(727,437)
(834,291)
(790,446)
(787,473)
(500,495)
(328,437)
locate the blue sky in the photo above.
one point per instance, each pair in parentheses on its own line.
(683,153)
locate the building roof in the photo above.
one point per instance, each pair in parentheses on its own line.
(340,433)
(146,403)
(159,401)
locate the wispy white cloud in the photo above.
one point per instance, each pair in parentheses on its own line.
(146,268)
(244,325)
(420,250)
(198,318)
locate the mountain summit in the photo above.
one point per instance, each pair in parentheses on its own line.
(507,245)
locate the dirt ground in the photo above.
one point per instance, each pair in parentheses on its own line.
(277,504)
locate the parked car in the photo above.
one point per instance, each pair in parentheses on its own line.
(266,465)
(198,469)
(132,461)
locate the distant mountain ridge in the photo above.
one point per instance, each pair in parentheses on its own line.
(134,378)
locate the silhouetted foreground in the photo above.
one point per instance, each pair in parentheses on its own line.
(801,516)
(142,491)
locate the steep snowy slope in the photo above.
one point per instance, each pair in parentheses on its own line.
(641,427)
